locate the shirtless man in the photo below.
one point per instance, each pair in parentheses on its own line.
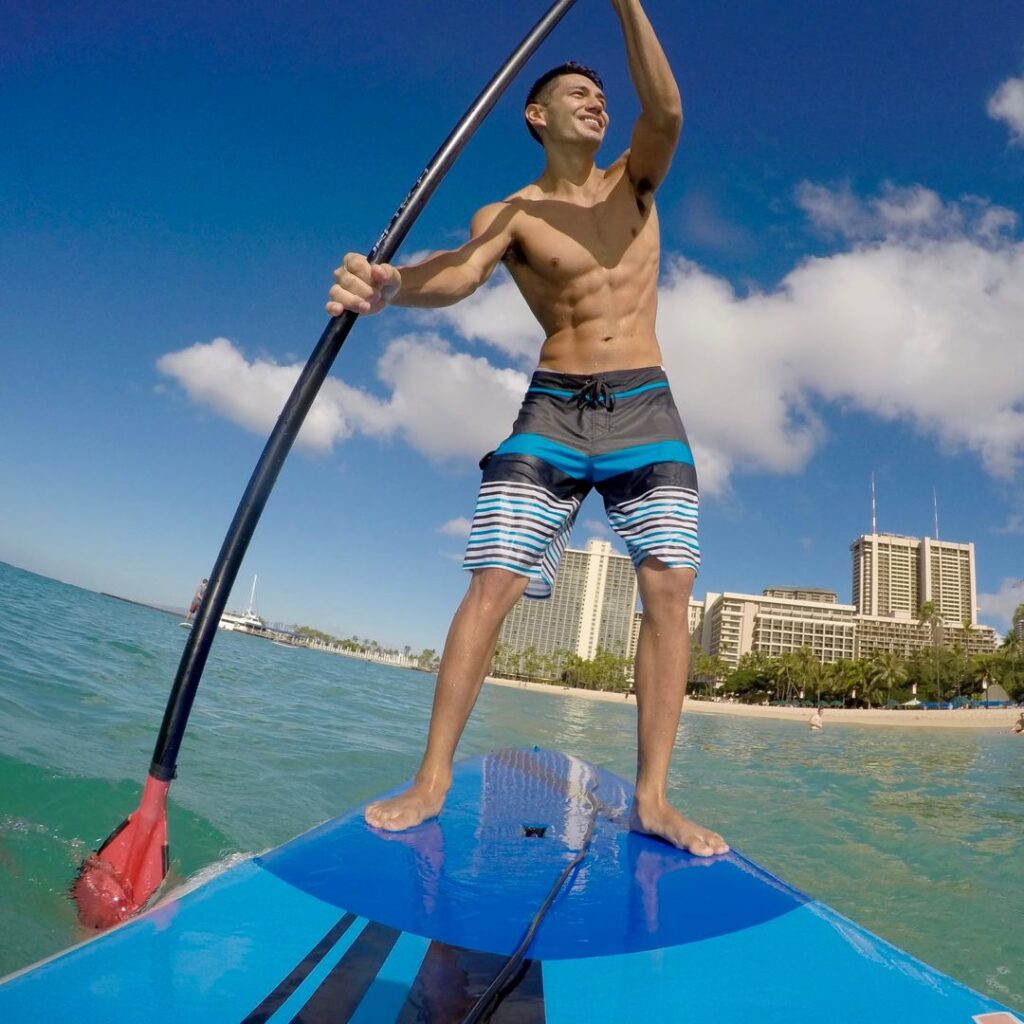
(582,244)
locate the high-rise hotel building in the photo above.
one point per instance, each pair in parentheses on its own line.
(592,605)
(893,576)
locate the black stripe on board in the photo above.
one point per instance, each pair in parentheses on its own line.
(341,991)
(298,973)
(451,980)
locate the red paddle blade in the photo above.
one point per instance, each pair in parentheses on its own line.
(121,877)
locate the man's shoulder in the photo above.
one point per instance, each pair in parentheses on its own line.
(493,215)
(531,190)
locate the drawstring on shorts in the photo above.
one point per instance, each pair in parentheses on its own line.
(593,394)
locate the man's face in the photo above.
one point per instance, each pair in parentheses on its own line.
(573,109)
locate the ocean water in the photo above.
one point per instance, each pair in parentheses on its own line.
(916,834)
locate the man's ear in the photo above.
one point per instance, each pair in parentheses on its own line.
(535,115)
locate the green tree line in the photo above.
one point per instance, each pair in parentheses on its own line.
(605,671)
(426,659)
(933,674)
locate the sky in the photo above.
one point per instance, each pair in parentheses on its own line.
(842,289)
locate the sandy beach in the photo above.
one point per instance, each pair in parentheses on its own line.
(999,719)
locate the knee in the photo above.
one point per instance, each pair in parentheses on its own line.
(494,591)
(665,593)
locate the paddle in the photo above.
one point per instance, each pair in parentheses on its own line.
(117,880)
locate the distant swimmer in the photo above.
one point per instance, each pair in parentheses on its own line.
(816,721)
(197,600)
(1018,726)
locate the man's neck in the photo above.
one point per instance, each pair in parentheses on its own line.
(569,171)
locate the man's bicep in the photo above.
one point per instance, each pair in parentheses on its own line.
(651,151)
(490,238)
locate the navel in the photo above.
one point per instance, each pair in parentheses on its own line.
(555,261)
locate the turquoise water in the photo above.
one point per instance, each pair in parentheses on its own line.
(915,834)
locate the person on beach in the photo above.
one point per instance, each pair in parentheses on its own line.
(582,244)
(817,721)
(1018,726)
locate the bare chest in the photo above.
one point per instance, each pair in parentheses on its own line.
(560,242)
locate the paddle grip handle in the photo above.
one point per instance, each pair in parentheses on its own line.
(264,476)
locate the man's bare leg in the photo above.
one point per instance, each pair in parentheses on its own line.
(662,659)
(464,661)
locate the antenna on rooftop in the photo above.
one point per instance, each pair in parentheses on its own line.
(874,518)
(935,503)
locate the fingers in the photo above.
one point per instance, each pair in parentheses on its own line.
(361,287)
(353,286)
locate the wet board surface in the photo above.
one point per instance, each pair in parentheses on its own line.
(347,924)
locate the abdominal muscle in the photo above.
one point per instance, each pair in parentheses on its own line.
(605,328)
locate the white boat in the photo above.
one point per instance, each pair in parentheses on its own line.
(246,622)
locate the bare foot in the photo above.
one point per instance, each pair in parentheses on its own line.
(661,819)
(408,809)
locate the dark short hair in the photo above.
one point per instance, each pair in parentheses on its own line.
(568,68)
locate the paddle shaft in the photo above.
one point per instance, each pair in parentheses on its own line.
(507,977)
(229,561)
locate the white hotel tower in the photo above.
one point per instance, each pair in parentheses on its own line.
(591,605)
(894,575)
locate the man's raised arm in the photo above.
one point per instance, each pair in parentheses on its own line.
(661,108)
(441,280)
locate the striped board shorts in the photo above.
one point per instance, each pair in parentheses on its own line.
(619,432)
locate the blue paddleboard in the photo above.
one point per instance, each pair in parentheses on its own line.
(347,924)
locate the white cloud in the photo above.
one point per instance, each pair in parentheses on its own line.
(252,394)
(909,214)
(921,326)
(916,321)
(998,608)
(459,527)
(703,224)
(448,404)
(466,408)
(1014,525)
(1007,105)
(497,316)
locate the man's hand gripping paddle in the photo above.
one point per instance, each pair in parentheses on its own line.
(125,873)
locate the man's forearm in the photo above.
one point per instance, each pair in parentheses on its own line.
(438,281)
(648,66)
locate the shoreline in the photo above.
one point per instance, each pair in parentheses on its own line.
(995,719)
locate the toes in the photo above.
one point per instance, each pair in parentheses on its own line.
(699,847)
(713,843)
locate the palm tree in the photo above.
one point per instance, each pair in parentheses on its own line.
(786,675)
(887,669)
(928,615)
(981,671)
(703,670)
(530,662)
(849,675)
(809,672)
